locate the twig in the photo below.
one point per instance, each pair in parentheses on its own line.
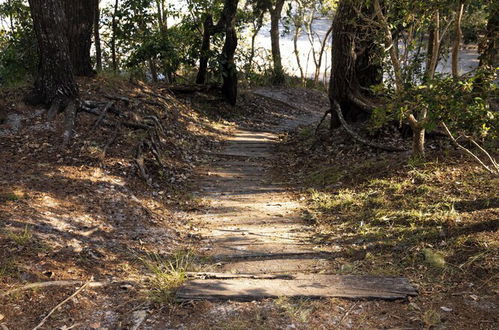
(62,303)
(347,312)
(466,150)
(38,285)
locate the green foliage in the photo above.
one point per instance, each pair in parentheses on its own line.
(18,53)
(463,104)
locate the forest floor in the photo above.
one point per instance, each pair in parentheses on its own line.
(83,214)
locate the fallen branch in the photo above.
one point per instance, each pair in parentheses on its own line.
(62,303)
(356,136)
(39,285)
(48,284)
(494,170)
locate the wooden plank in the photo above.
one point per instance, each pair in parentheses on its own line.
(298,286)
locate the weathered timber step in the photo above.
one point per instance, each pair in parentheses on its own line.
(298,286)
(242,154)
(233,191)
(283,266)
(298,255)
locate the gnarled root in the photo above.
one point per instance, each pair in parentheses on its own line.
(356,136)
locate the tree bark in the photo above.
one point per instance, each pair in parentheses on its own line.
(275,16)
(114,27)
(348,50)
(80,18)
(433,47)
(205,50)
(55,79)
(97,41)
(229,70)
(457,40)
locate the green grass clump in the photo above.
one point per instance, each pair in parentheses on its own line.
(168,274)
(23,238)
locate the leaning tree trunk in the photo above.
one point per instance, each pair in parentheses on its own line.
(80,15)
(54,82)
(351,47)
(229,70)
(275,16)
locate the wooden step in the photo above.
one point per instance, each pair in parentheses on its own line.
(296,286)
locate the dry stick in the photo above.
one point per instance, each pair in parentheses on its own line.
(347,312)
(357,136)
(457,144)
(62,303)
(492,160)
(50,284)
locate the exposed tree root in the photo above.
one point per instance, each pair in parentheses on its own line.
(356,136)
(69,123)
(152,143)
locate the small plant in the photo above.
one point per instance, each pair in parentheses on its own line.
(169,273)
(434,259)
(23,238)
(296,309)
(431,318)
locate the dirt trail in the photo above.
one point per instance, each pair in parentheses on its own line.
(253,226)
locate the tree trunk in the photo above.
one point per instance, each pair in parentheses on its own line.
(114,26)
(433,47)
(205,50)
(457,40)
(80,15)
(229,70)
(348,51)
(97,42)
(153,69)
(275,16)
(297,53)
(54,83)
(256,29)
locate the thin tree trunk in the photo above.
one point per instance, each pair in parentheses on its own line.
(205,50)
(113,37)
(433,47)
(275,16)
(229,70)
(321,55)
(97,41)
(55,79)
(257,28)
(153,69)
(390,44)
(457,40)
(297,53)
